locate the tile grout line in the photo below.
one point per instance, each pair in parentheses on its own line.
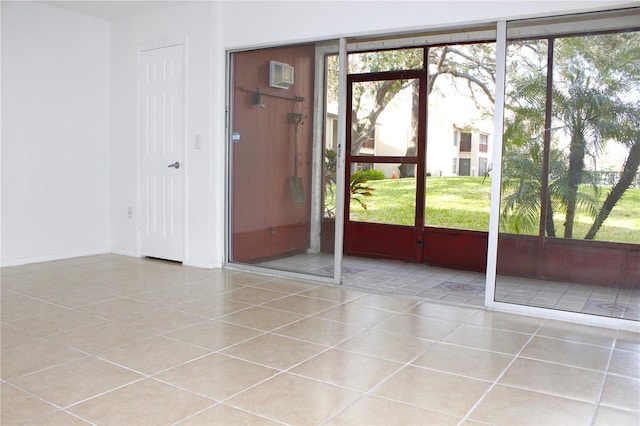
(402,366)
(380,383)
(278,372)
(495,382)
(328,348)
(604,378)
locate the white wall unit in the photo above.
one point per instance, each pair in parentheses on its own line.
(55,134)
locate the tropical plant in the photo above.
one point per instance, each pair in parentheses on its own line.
(622,73)
(330,166)
(357,187)
(522,189)
(588,109)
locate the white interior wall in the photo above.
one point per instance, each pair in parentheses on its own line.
(55,134)
(258,23)
(191,22)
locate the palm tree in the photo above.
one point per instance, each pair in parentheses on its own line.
(631,137)
(586,111)
(522,189)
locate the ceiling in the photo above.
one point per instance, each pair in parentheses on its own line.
(112,10)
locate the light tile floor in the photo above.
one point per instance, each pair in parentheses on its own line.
(122,341)
(468,288)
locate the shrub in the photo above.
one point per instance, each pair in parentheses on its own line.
(372,174)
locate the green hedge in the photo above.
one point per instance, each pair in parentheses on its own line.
(372,174)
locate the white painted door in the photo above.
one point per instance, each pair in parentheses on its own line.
(162,133)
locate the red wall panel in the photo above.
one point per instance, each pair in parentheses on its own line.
(381,241)
(263,159)
(455,248)
(576,261)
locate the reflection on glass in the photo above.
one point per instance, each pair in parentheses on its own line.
(460,124)
(376,198)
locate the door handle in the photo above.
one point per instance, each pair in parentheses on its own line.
(176,165)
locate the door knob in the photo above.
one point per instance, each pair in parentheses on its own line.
(176,165)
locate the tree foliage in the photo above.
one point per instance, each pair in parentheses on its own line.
(470,67)
(594,102)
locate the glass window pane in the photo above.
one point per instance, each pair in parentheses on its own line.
(460,120)
(383,119)
(377,198)
(595,112)
(458,202)
(580,179)
(523,142)
(272,185)
(386,60)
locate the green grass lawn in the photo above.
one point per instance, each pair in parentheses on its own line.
(622,225)
(463,203)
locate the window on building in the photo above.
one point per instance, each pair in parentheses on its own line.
(482,166)
(484,143)
(465,142)
(465,167)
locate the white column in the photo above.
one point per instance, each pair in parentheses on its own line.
(340,163)
(496,168)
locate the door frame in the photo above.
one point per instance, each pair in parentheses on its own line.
(180,41)
(467,162)
(383,240)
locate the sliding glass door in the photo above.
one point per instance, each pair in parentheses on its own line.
(274,161)
(551,200)
(570,206)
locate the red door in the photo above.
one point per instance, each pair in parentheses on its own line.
(387,113)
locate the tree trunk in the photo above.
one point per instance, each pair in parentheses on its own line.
(574,177)
(549,224)
(361,132)
(409,170)
(629,172)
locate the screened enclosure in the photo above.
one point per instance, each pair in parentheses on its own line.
(403,154)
